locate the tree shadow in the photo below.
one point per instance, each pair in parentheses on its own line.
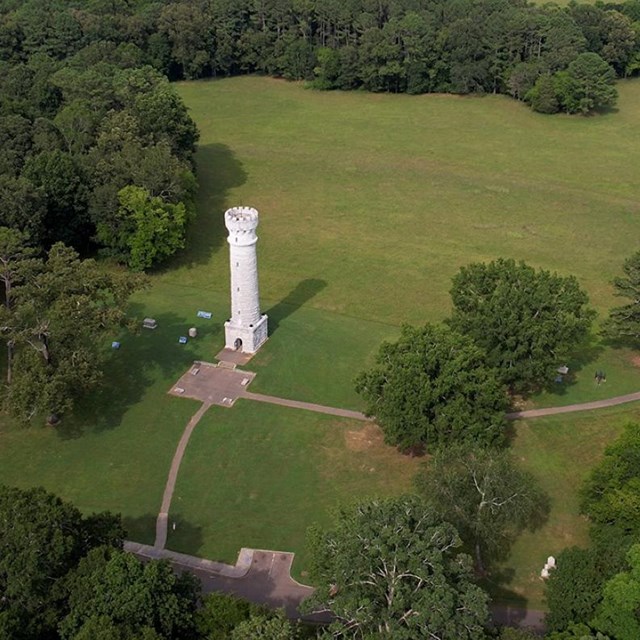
(603,111)
(140,528)
(620,342)
(183,536)
(585,353)
(508,608)
(298,296)
(219,171)
(145,358)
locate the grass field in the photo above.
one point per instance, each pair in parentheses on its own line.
(259,475)
(559,451)
(369,204)
(379,199)
(228,495)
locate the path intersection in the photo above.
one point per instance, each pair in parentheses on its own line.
(265,576)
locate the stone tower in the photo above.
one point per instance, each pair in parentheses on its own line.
(246,330)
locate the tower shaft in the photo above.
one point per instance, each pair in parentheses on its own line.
(245,302)
(246,329)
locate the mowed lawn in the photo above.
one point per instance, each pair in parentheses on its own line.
(560,451)
(258,475)
(379,199)
(371,203)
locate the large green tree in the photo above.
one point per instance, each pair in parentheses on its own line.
(42,538)
(58,314)
(264,627)
(617,614)
(610,499)
(22,207)
(485,495)
(611,494)
(132,595)
(574,588)
(578,631)
(391,569)
(18,263)
(528,321)
(147,229)
(432,388)
(221,613)
(624,321)
(61,180)
(587,85)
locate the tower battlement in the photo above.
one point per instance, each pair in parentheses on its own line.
(241,223)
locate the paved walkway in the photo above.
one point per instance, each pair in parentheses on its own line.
(570,408)
(309,406)
(216,384)
(259,576)
(163,516)
(265,576)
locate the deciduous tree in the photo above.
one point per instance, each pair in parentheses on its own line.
(624,321)
(59,312)
(577,631)
(391,569)
(115,585)
(611,494)
(527,321)
(41,539)
(617,614)
(147,229)
(433,388)
(221,613)
(485,495)
(574,587)
(263,627)
(63,185)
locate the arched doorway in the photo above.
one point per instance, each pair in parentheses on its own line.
(237,345)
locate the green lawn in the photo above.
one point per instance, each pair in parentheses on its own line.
(369,204)
(116,453)
(379,199)
(559,451)
(258,475)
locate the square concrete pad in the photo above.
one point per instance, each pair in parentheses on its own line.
(209,383)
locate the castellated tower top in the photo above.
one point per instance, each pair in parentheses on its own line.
(241,223)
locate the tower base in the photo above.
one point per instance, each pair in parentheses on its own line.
(245,339)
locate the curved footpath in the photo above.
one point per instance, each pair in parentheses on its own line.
(265,576)
(570,408)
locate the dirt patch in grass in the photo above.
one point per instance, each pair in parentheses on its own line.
(363,439)
(635,360)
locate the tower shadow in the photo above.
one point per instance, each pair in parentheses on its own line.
(299,295)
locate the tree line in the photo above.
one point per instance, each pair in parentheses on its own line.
(96,147)
(555,58)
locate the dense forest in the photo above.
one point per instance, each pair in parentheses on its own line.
(97,149)
(413,46)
